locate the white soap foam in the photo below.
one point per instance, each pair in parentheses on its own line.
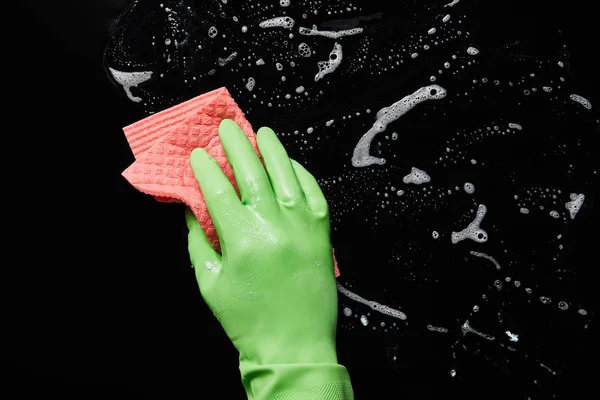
(327,67)
(416,176)
(466,328)
(329,34)
(228,59)
(575,204)
(473,231)
(278,22)
(304,50)
(373,304)
(129,80)
(439,329)
(250,84)
(512,336)
(452,3)
(361,156)
(489,258)
(516,126)
(212,266)
(469,188)
(581,100)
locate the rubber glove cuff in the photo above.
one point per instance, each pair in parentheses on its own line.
(326,381)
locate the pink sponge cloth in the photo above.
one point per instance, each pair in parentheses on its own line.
(162,143)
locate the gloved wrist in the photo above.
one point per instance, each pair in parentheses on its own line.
(306,369)
(297,382)
(280,351)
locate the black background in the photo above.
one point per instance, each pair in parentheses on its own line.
(101,301)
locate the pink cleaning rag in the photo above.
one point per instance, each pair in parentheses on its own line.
(162,143)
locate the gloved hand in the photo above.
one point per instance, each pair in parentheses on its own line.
(273,287)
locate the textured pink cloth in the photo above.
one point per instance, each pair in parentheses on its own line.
(162,143)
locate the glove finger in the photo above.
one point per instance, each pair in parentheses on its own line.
(221,199)
(250,176)
(312,191)
(205,260)
(281,173)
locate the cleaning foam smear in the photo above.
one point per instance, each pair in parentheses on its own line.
(575,204)
(361,156)
(373,304)
(329,34)
(473,231)
(466,328)
(129,80)
(489,258)
(327,67)
(417,176)
(278,22)
(581,100)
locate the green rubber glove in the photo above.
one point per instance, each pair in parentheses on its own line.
(273,285)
